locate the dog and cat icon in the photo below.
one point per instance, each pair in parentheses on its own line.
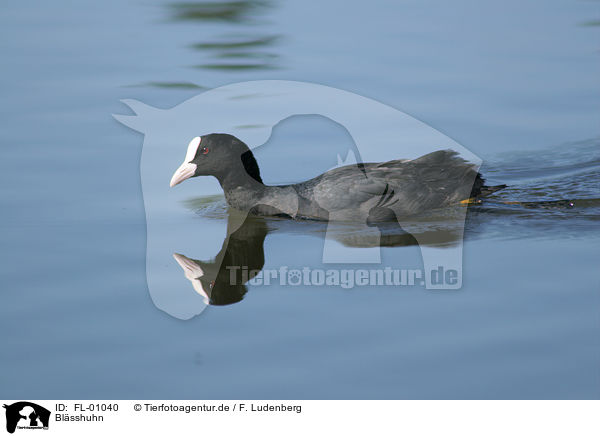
(25,414)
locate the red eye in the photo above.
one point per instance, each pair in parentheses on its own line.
(204,150)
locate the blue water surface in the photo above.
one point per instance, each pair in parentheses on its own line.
(516,82)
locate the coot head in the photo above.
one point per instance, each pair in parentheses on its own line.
(218,155)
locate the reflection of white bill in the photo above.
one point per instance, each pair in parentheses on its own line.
(192,272)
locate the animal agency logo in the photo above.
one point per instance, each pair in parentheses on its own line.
(24,415)
(248,113)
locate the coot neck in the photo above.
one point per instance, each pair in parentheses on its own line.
(244,173)
(245,191)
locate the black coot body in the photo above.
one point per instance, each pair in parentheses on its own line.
(369,192)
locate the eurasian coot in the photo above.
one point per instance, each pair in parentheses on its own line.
(360,192)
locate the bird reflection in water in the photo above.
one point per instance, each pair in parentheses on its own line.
(243,249)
